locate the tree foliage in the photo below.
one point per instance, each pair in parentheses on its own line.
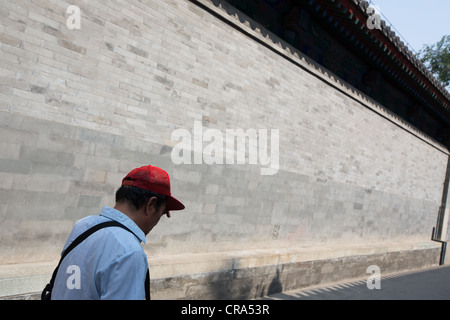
(437,58)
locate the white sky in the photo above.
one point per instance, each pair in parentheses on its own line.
(418,21)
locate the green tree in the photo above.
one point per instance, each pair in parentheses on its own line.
(437,58)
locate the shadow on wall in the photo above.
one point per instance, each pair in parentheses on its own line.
(240,284)
(275,286)
(262,281)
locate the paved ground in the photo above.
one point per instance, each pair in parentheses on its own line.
(426,284)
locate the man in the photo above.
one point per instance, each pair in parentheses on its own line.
(111,263)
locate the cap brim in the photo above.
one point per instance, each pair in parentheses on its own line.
(173,204)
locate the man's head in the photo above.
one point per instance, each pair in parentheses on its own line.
(145,197)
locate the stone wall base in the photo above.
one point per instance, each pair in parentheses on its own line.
(246,274)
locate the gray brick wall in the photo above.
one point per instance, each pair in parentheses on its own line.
(80,108)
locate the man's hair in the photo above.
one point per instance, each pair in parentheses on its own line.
(138,197)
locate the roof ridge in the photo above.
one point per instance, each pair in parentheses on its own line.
(364,5)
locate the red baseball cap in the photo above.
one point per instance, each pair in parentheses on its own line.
(153,179)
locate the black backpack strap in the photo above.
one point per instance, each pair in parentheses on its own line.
(46,293)
(147,285)
(90,231)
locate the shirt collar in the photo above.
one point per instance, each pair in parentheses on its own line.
(118,216)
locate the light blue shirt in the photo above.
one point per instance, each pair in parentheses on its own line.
(110,264)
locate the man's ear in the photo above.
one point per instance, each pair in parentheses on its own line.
(151,204)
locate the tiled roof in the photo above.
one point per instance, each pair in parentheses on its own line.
(401,47)
(348,20)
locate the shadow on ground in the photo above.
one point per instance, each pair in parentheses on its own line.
(429,284)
